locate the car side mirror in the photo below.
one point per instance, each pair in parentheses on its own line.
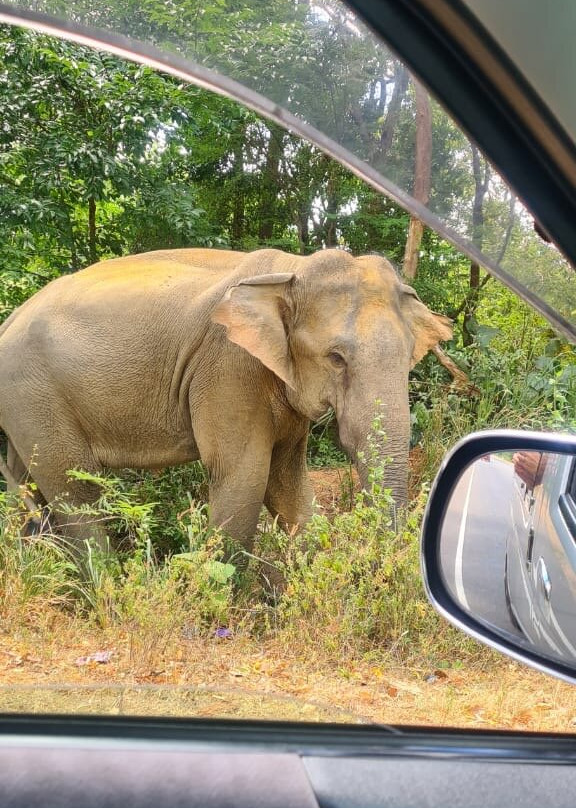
(499,545)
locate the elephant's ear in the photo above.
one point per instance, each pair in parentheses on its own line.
(427,327)
(255,314)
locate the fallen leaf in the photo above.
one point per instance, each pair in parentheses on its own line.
(523,717)
(366,697)
(407,687)
(99,658)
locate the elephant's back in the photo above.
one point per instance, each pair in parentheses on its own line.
(137,283)
(196,269)
(122,293)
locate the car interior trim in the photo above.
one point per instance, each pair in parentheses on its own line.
(467,71)
(152,775)
(301,738)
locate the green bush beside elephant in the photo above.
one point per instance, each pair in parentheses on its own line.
(159,359)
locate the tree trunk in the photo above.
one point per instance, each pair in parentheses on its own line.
(391,121)
(481,171)
(332,204)
(509,228)
(270,183)
(303,225)
(92,246)
(300,193)
(238,201)
(422,170)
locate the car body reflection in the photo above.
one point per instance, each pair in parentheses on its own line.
(540,574)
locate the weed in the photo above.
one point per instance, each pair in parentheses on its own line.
(350,585)
(33,569)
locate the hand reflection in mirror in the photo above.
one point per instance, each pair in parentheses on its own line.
(529,466)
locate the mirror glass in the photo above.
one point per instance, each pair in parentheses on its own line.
(508,548)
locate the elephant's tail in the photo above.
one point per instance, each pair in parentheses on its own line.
(13,484)
(4,449)
(4,470)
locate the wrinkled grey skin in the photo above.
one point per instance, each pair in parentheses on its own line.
(159,359)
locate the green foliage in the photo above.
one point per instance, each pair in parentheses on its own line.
(323,445)
(343,577)
(119,507)
(350,585)
(134,586)
(175,492)
(354,585)
(376,464)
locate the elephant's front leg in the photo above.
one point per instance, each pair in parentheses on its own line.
(289,493)
(237,487)
(235,448)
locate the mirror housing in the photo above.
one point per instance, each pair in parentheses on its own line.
(454,530)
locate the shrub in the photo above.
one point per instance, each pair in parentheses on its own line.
(35,570)
(351,585)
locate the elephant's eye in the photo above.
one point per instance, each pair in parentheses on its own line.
(337,359)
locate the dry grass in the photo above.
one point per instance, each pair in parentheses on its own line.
(41,671)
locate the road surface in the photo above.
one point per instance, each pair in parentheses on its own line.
(473,544)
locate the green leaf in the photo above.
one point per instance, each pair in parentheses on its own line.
(219,572)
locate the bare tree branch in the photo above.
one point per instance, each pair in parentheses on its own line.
(461,381)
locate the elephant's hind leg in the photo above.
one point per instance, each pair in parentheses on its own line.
(51,458)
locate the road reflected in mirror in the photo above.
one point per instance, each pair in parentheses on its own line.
(508,548)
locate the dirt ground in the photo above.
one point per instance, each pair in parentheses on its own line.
(55,664)
(334,488)
(62,668)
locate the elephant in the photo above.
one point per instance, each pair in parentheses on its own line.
(166,357)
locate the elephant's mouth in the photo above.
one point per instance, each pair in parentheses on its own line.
(314,411)
(324,409)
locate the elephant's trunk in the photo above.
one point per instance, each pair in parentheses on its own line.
(394,455)
(379,433)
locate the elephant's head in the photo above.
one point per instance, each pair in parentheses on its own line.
(340,332)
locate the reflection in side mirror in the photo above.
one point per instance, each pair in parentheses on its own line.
(501,561)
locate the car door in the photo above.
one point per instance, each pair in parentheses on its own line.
(524,506)
(551,554)
(538,574)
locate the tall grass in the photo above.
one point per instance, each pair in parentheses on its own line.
(348,586)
